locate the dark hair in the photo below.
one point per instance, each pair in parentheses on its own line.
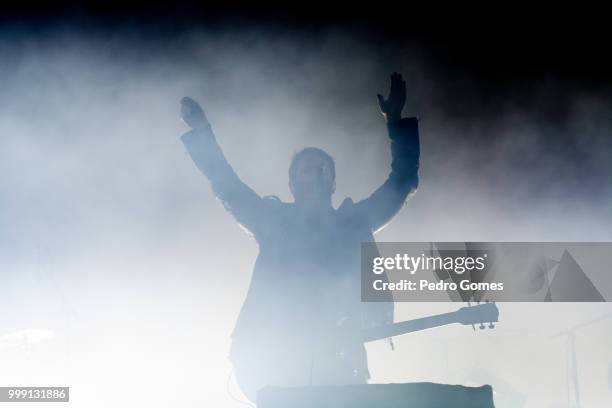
(311,151)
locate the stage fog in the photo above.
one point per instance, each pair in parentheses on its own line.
(111,239)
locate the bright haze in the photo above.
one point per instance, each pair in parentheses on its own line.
(113,240)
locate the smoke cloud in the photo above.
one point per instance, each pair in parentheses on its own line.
(112,239)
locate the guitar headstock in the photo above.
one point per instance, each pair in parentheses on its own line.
(478,314)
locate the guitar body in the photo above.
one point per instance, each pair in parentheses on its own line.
(330,355)
(290,359)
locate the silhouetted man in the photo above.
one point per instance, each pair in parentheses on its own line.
(300,321)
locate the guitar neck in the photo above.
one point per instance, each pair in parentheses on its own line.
(395,329)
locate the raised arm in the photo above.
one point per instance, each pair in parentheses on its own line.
(238,198)
(380,207)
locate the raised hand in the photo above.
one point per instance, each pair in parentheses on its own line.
(392,107)
(192,113)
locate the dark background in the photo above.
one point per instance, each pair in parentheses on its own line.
(486,60)
(499,44)
(490,51)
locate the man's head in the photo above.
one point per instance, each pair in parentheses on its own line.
(312,175)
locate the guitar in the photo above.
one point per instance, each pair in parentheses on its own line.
(334,357)
(468,315)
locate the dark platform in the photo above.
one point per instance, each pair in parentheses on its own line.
(414,395)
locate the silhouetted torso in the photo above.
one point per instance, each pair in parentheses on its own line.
(305,289)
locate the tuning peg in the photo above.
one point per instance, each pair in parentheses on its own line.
(491,325)
(482,326)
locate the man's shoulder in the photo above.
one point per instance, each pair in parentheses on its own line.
(274,202)
(346,207)
(346,204)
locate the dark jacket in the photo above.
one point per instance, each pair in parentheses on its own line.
(307,274)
